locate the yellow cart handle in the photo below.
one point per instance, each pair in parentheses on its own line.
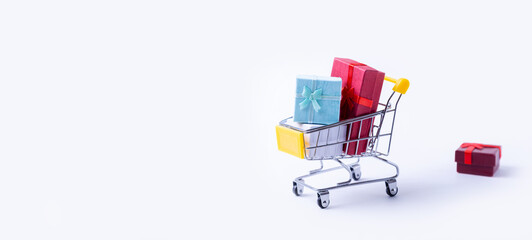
(401,84)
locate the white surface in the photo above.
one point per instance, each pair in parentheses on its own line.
(155,120)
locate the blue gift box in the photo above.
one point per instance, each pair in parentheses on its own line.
(317,99)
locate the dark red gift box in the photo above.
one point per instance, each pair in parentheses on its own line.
(478,159)
(361,90)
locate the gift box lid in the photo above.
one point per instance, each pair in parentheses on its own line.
(361,76)
(487,156)
(364,81)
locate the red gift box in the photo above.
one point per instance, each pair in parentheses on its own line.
(478,159)
(361,90)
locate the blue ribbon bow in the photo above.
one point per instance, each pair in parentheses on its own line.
(310,97)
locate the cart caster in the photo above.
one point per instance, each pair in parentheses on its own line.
(297,188)
(355,170)
(323,199)
(391,187)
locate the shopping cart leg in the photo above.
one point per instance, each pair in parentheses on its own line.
(355,170)
(349,169)
(297,187)
(317,170)
(323,199)
(391,187)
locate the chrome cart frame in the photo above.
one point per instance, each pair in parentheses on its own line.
(377,134)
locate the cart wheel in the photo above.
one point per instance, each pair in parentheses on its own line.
(323,199)
(355,170)
(391,187)
(392,192)
(297,189)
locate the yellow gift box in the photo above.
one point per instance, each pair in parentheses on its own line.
(290,141)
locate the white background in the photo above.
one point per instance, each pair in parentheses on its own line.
(155,119)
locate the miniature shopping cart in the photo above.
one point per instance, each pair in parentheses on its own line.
(330,142)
